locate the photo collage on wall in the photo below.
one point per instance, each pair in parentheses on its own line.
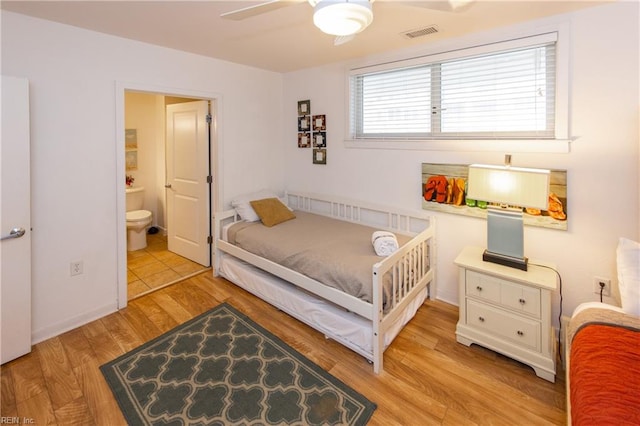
(312,131)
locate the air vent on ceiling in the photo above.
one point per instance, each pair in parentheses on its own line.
(420,32)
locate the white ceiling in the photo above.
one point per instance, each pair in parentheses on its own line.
(284,39)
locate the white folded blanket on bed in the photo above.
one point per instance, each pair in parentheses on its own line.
(384,243)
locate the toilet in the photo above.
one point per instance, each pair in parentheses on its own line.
(138,220)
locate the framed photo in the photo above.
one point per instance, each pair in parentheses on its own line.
(304,123)
(320,139)
(319,156)
(131,160)
(131,139)
(319,123)
(444,189)
(304,140)
(304,107)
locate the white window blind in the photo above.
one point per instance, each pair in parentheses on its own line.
(394,102)
(501,94)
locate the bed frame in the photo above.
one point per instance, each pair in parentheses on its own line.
(412,267)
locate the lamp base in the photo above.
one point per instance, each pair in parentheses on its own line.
(512,262)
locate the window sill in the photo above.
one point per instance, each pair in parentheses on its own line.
(561,146)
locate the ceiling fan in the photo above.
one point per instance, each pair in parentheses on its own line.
(341,18)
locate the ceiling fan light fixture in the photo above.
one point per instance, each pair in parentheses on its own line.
(342,17)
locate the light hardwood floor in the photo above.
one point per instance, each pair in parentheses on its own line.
(428,378)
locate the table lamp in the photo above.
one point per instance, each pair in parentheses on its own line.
(509,190)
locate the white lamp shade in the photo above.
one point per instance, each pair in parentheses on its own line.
(509,185)
(342,18)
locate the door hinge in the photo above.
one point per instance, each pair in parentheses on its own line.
(209,118)
(210,239)
(209,179)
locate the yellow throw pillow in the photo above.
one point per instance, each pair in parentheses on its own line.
(271,211)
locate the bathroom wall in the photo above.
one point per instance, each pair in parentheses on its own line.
(141,113)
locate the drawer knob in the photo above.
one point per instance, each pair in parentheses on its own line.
(478,288)
(520,333)
(481,319)
(522,301)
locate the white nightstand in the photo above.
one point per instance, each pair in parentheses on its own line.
(508,310)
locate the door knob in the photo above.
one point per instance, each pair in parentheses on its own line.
(14,233)
(168,185)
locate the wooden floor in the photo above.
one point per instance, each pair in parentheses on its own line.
(428,378)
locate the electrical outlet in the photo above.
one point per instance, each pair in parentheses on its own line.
(597,286)
(76,267)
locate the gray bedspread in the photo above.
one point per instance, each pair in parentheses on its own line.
(334,252)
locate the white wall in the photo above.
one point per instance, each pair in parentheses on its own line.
(603,176)
(73,75)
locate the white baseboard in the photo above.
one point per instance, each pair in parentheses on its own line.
(54,330)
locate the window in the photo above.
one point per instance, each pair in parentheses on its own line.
(501,91)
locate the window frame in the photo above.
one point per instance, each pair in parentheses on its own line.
(559,142)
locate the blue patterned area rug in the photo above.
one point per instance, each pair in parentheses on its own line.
(222,368)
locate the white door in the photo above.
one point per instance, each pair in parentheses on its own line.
(188,161)
(15,221)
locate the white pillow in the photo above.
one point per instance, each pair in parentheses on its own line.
(243,206)
(628,262)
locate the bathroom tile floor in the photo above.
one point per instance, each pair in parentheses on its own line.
(155,267)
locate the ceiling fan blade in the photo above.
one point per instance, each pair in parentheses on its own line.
(258,9)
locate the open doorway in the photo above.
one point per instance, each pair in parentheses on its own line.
(158,157)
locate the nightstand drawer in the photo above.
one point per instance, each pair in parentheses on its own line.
(519,330)
(515,296)
(521,297)
(483,286)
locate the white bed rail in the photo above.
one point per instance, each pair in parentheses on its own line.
(410,271)
(407,222)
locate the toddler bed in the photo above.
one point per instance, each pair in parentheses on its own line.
(321,268)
